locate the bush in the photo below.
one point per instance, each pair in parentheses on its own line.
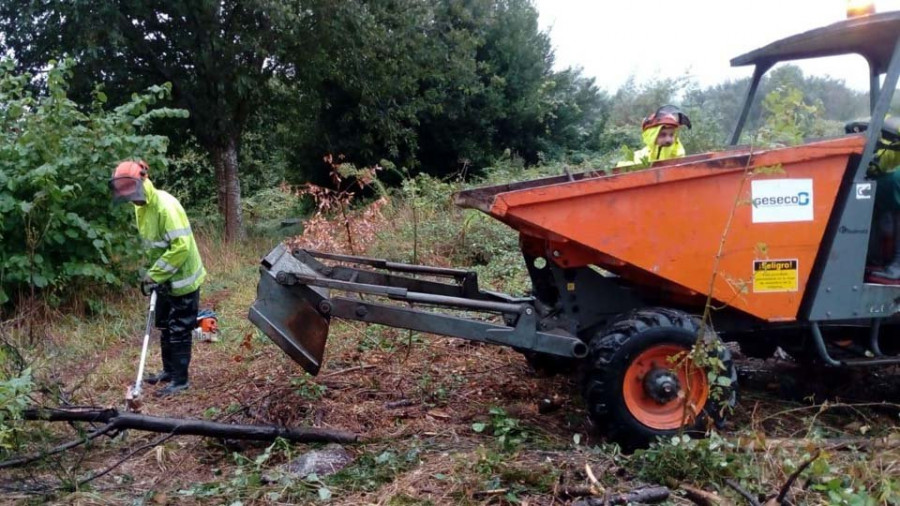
(14,392)
(58,227)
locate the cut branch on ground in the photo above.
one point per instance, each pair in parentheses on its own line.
(188,427)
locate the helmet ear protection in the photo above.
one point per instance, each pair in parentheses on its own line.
(144,168)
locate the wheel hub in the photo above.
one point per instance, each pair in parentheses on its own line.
(662,385)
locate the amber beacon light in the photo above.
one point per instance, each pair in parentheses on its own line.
(856,8)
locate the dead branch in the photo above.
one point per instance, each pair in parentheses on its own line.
(702,497)
(831,444)
(649,495)
(187,427)
(740,490)
(487,493)
(345,371)
(786,488)
(402,403)
(27,459)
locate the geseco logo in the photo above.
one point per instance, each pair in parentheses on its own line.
(800,199)
(782,200)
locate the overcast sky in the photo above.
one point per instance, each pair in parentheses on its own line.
(611,40)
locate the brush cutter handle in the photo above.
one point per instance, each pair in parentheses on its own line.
(148,286)
(136,391)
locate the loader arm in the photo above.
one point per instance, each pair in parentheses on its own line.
(294,305)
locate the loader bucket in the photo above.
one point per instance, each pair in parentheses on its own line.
(287,312)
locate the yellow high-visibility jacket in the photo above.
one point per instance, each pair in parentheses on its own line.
(651,152)
(166,232)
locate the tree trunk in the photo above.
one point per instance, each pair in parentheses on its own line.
(228,186)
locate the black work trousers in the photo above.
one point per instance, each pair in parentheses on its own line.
(176,317)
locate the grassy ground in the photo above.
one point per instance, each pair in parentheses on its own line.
(468,431)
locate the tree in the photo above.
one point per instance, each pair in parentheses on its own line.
(218,55)
(58,226)
(436,84)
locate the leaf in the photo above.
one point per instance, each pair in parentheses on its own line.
(26,207)
(39,281)
(577,439)
(324,494)
(479,427)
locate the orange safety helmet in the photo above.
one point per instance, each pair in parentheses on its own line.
(127,181)
(666,115)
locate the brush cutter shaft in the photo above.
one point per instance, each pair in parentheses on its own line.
(140,373)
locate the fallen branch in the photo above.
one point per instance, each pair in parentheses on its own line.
(786,488)
(740,490)
(831,444)
(596,487)
(187,427)
(402,403)
(487,493)
(649,495)
(702,497)
(345,371)
(27,459)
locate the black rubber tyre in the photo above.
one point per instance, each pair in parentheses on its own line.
(545,365)
(613,350)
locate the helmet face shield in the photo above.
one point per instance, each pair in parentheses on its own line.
(127,189)
(667,115)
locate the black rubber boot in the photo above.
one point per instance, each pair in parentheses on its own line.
(163,376)
(181,360)
(166,352)
(181,321)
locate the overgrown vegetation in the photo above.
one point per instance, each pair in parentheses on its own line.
(60,231)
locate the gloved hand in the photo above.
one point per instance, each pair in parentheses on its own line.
(148,285)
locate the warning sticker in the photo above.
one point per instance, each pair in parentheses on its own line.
(775,276)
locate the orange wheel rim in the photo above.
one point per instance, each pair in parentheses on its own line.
(663,389)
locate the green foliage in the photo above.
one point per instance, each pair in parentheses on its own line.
(495,471)
(369,471)
(509,431)
(306,388)
(440,86)
(790,118)
(14,392)
(681,458)
(58,226)
(840,487)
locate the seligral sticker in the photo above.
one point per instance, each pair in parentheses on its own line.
(776,275)
(782,200)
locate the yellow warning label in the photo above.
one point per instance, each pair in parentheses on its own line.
(775,276)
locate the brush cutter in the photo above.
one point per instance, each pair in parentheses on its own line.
(133,394)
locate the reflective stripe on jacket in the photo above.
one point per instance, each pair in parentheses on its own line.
(166,232)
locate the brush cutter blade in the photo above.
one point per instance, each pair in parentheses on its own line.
(132,400)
